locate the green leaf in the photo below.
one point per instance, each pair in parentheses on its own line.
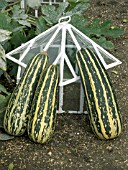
(18,38)
(18,13)
(4,137)
(50,13)
(3,104)
(3,65)
(3,89)
(4,101)
(2,112)
(20,16)
(3,5)
(4,35)
(35,4)
(40,25)
(61,9)
(106,24)
(31,34)
(5,22)
(24,22)
(79,22)
(1,72)
(104,43)
(7,46)
(79,8)
(108,30)
(114,33)
(15,26)
(95,29)
(91,30)
(13,66)
(53,14)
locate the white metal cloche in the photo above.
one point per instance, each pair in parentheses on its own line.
(61,43)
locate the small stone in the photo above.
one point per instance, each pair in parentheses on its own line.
(109,148)
(50,153)
(52,160)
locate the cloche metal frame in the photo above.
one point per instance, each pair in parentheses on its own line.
(69,38)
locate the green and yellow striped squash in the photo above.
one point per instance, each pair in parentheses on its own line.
(102,105)
(42,115)
(16,115)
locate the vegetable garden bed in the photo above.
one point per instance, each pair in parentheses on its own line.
(73,145)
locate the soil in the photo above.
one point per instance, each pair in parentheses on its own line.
(73,145)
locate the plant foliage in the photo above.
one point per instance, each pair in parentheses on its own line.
(100,31)
(2,59)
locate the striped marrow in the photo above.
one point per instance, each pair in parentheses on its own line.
(103,109)
(16,115)
(42,116)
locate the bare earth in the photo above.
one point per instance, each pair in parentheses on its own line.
(73,145)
